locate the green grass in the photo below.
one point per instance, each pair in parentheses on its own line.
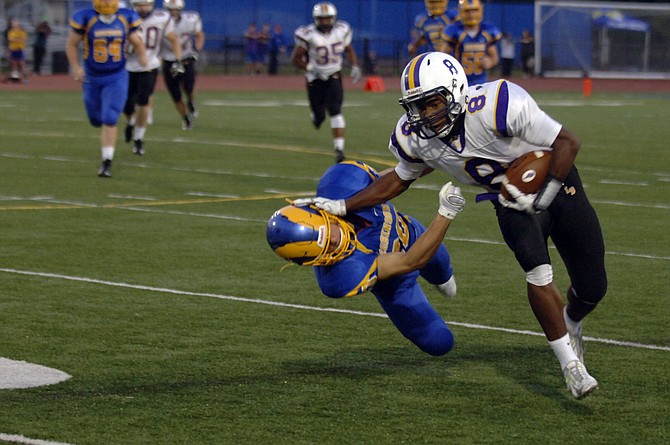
(156,359)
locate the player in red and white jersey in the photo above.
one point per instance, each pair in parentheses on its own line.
(319,48)
(157,30)
(188,27)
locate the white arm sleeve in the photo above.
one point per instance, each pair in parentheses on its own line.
(528,122)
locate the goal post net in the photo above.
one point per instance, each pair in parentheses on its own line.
(602,39)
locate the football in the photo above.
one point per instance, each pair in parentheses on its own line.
(527,172)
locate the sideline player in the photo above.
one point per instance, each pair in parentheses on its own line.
(474,140)
(377,249)
(318,50)
(156,26)
(188,26)
(430,27)
(473,42)
(105,29)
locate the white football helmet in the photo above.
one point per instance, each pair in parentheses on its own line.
(174,4)
(144,13)
(324,15)
(434,89)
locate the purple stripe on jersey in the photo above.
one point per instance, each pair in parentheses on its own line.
(502,103)
(401,152)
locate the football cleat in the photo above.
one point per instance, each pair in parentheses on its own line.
(192,110)
(138,147)
(339,156)
(578,380)
(104,169)
(448,288)
(187,123)
(575,334)
(129,132)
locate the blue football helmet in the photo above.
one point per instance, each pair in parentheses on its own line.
(303,235)
(344,180)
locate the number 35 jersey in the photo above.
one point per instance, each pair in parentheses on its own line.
(501,123)
(104,42)
(324,50)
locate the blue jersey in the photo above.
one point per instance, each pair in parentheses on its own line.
(380,229)
(104,43)
(471,50)
(431,28)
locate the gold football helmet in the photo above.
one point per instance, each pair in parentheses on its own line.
(470,12)
(106,7)
(436,7)
(302,235)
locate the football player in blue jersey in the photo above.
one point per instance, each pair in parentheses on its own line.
(104,30)
(374,248)
(430,27)
(473,42)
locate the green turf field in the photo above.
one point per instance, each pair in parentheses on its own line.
(157,292)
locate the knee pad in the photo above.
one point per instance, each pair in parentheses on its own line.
(593,295)
(337,121)
(540,275)
(436,340)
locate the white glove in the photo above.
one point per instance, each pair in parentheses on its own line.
(335,207)
(522,202)
(309,67)
(176,69)
(356,73)
(451,201)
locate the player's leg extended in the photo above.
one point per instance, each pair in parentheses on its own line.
(408,308)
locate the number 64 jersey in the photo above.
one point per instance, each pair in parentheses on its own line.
(104,42)
(501,123)
(324,50)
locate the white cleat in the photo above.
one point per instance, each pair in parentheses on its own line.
(575,334)
(578,380)
(448,288)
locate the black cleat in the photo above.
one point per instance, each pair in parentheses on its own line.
(192,111)
(129,132)
(104,169)
(138,147)
(187,123)
(339,156)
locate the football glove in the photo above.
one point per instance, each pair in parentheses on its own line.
(451,201)
(356,73)
(176,69)
(522,202)
(335,207)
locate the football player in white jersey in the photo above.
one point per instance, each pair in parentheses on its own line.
(474,133)
(156,26)
(188,26)
(319,47)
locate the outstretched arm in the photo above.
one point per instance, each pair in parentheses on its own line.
(385,188)
(392,264)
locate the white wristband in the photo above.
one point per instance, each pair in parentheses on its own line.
(547,194)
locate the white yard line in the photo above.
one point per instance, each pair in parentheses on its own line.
(303,307)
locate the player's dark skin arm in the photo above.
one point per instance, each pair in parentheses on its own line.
(384,189)
(565,149)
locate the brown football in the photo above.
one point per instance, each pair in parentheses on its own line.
(527,172)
